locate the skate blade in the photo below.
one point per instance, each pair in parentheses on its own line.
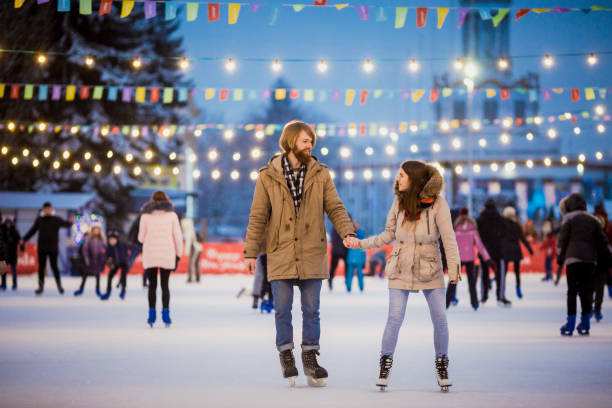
(382,387)
(316,382)
(445,388)
(291,381)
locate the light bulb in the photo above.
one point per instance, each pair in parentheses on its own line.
(41,59)
(235,175)
(277,66)
(322,67)
(89,61)
(592,59)
(349,175)
(503,64)
(184,64)
(215,174)
(436,147)
(367,174)
(137,63)
(413,66)
(458,64)
(230,65)
(548,61)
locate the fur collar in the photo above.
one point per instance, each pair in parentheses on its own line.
(151,206)
(464,218)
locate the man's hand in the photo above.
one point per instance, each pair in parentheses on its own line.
(3,267)
(250,264)
(351,242)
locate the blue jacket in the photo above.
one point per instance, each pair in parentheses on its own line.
(357,256)
(119,253)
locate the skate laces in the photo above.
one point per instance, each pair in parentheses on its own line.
(310,358)
(385,366)
(287,357)
(442,367)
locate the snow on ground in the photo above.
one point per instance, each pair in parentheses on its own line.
(82,352)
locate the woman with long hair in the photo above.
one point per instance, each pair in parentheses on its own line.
(94,249)
(162,246)
(418,217)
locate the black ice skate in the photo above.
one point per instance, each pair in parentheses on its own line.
(312,370)
(288,366)
(385,372)
(441,366)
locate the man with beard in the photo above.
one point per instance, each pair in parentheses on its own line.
(292,194)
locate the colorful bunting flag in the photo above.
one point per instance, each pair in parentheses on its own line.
(341,6)
(433,95)
(63,5)
(209,93)
(192,11)
(400,16)
(417,95)
(170,11)
(97,92)
(105,7)
(421,17)
(320,2)
(521,13)
(463,12)
(505,94)
(183,94)
(280,94)
(168,95)
(575,94)
(234,10)
(154,92)
(126,94)
(294,94)
(223,94)
(350,96)
(28,91)
(150,8)
(42,92)
(56,93)
(298,7)
(546,94)
(19,3)
(381,14)
(589,94)
(363,96)
(364,12)
(213,11)
(501,13)
(85,7)
(485,14)
(274,16)
(308,95)
(70,92)
(84,92)
(442,13)
(446,92)
(126,8)
(141,92)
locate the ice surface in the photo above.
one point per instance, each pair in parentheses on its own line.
(82,352)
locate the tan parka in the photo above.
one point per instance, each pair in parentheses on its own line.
(296,246)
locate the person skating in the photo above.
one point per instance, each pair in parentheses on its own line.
(338,252)
(581,241)
(512,251)
(162,246)
(467,238)
(11,243)
(292,194)
(491,228)
(418,217)
(94,255)
(3,266)
(118,255)
(355,262)
(602,270)
(193,249)
(47,224)
(549,247)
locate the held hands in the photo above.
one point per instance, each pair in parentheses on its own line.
(250,264)
(351,242)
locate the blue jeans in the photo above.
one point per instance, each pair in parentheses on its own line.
(397,309)
(310,291)
(350,272)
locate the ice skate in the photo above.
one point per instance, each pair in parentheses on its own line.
(584,326)
(78,292)
(504,303)
(166,317)
(38,291)
(122,294)
(287,361)
(441,367)
(152,317)
(314,372)
(519,293)
(568,328)
(385,371)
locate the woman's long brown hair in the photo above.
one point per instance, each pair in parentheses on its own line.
(409,200)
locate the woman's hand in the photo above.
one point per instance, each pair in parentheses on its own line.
(351,242)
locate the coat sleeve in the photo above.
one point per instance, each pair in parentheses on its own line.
(177,235)
(32,230)
(142,230)
(449,241)
(388,235)
(64,223)
(562,243)
(335,209)
(86,254)
(481,248)
(2,246)
(524,240)
(258,219)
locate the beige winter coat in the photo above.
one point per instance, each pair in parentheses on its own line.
(296,246)
(415,263)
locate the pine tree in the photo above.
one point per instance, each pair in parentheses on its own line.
(42,28)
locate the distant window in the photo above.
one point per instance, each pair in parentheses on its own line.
(490,110)
(519,109)
(459,110)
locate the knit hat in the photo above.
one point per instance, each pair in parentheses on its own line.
(509,212)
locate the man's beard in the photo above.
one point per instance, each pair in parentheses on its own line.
(303,156)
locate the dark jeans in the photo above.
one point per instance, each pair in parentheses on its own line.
(501,284)
(486,280)
(165,278)
(122,279)
(376,267)
(599,283)
(85,275)
(579,282)
(13,268)
(472,278)
(334,264)
(310,291)
(42,262)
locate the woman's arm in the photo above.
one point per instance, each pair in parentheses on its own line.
(481,248)
(449,241)
(388,235)
(142,229)
(177,235)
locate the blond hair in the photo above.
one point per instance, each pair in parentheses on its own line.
(292,131)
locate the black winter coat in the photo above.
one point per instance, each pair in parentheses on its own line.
(11,242)
(47,226)
(337,244)
(511,245)
(491,228)
(2,246)
(581,237)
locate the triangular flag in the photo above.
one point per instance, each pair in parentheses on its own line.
(421,17)
(209,93)
(521,13)
(363,96)
(558,90)
(417,95)
(19,3)
(490,93)
(540,10)
(280,94)
(105,7)
(381,14)
(213,11)
(255,7)
(575,94)
(505,94)
(463,12)
(192,11)
(442,13)
(400,16)
(350,96)
(341,6)
(378,93)
(85,7)
(560,9)
(485,14)
(298,7)
(433,95)
(233,12)
(364,12)
(126,8)
(599,8)
(589,94)
(501,13)
(150,8)
(141,92)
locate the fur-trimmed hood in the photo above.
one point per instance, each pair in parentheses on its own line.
(465,219)
(151,206)
(434,185)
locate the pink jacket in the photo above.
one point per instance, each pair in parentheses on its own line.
(467,237)
(160,235)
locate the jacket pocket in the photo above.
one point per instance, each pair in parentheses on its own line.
(427,268)
(392,268)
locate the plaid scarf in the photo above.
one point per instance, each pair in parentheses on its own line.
(295,181)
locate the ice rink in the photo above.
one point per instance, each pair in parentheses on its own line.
(82,352)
